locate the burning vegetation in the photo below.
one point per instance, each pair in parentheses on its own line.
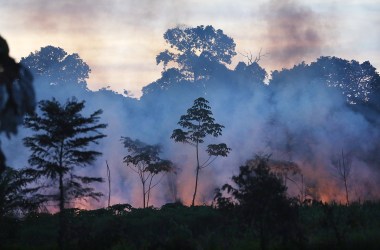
(318,121)
(302,137)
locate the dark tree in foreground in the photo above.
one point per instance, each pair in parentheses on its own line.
(260,197)
(16,94)
(17,199)
(144,160)
(198,123)
(61,144)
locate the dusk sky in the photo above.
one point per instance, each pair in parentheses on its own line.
(120,39)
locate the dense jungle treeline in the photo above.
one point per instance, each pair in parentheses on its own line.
(312,118)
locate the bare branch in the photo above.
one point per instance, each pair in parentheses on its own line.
(250,59)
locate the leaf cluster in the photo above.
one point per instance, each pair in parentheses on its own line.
(16,194)
(198,123)
(145,157)
(62,136)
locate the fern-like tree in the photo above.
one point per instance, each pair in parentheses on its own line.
(145,161)
(197,124)
(17,197)
(60,145)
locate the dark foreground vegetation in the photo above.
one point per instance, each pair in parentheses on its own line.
(174,226)
(253,212)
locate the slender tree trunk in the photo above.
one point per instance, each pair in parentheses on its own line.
(144,194)
(150,185)
(109,184)
(61,194)
(303,192)
(345,172)
(143,180)
(345,185)
(62,219)
(196,176)
(173,187)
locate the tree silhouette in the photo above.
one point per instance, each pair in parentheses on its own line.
(144,160)
(251,73)
(260,197)
(193,49)
(16,94)
(54,66)
(198,124)
(16,197)
(356,80)
(61,144)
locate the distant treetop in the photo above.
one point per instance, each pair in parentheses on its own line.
(189,46)
(55,65)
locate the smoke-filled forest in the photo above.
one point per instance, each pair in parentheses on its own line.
(211,156)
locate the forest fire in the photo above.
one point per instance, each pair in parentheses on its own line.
(311,120)
(233,149)
(305,184)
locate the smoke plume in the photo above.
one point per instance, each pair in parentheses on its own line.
(294,32)
(294,119)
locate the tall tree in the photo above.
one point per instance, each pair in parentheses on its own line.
(144,160)
(194,49)
(61,144)
(198,123)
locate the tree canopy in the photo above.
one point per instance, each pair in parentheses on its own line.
(356,81)
(55,67)
(194,49)
(144,160)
